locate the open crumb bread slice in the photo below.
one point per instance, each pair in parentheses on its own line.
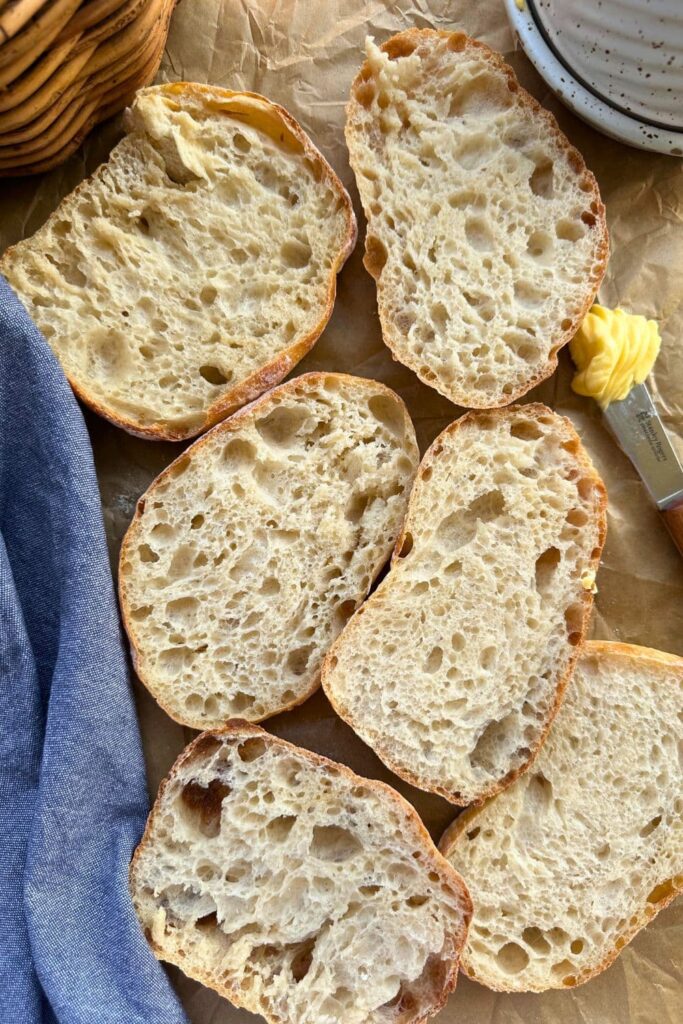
(583,851)
(295,888)
(196,266)
(454,668)
(486,233)
(249,553)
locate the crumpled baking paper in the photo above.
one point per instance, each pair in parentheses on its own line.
(304,55)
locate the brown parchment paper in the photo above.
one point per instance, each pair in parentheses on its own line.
(304,54)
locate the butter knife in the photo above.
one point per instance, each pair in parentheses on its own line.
(635,423)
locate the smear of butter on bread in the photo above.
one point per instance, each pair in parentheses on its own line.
(174,133)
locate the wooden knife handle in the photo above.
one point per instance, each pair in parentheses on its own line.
(673,520)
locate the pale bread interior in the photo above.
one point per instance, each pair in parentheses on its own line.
(203,252)
(249,555)
(582,851)
(485,233)
(296,888)
(453,668)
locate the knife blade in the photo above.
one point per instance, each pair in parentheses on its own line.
(636,424)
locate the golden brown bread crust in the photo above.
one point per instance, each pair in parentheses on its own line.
(536,409)
(280,365)
(450,877)
(403,44)
(670,890)
(232,423)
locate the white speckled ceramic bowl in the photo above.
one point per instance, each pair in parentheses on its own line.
(618,64)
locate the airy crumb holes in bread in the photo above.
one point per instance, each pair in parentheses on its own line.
(249,553)
(567,865)
(295,888)
(196,266)
(454,668)
(486,233)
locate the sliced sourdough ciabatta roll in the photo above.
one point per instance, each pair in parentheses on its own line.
(579,854)
(454,668)
(486,233)
(196,267)
(249,553)
(295,888)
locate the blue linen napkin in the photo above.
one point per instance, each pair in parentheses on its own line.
(73,798)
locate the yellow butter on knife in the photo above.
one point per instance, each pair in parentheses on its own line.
(613,350)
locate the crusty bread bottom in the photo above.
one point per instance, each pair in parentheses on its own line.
(295,888)
(576,857)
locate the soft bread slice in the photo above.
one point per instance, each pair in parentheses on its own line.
(196,267)
(455,667)
(249,553)
(582,852)
(295,888)
(486,233)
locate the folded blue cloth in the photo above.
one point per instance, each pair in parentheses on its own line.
(72,781)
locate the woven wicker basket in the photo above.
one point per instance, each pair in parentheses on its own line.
(67,64)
